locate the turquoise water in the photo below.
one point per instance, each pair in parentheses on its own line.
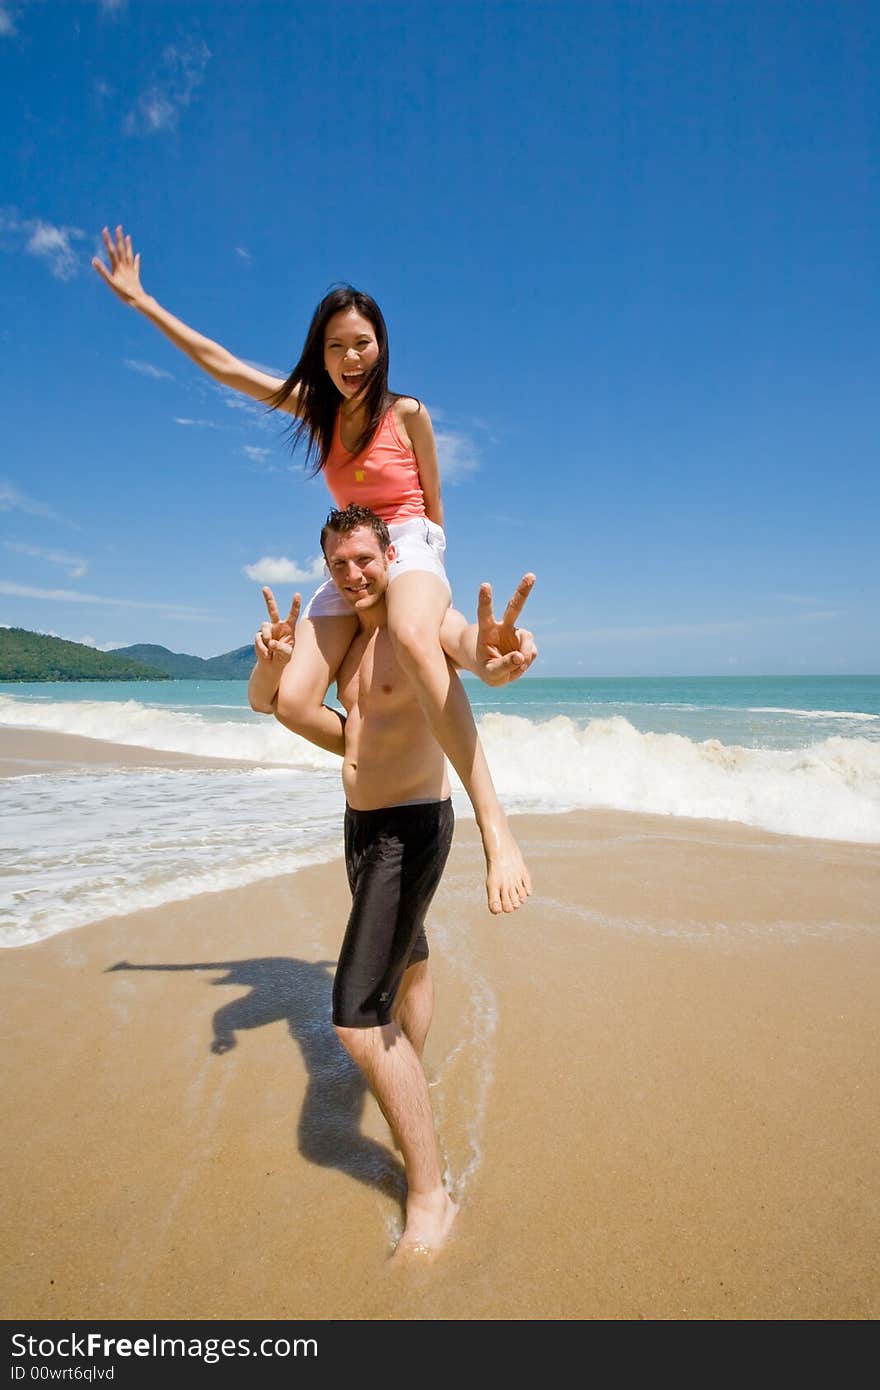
(793,755)
(751,711)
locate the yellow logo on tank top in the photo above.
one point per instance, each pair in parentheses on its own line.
(359,475)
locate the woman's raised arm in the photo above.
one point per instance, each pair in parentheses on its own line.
(124,279)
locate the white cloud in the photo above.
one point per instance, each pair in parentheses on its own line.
(7,23)
(273,569)
(83,641)
(800,598)
(53,244)
(112,6)
(820,615)
(202,424)
(256,453)
(74,563)
(100,646)
(257,412)
(181,73)
(457,456)
(170,610)
(147,369)
(44,240)
(244,253)
(13,500)
(269,371)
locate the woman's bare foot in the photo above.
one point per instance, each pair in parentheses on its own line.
(428,1223)
(508,882)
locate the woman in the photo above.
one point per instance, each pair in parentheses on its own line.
(378,449)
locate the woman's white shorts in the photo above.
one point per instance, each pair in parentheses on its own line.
(420,545)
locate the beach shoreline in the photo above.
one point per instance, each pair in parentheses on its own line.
(653,1088)
(24,751)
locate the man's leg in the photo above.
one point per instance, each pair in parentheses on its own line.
(414,1005)
(394,1074)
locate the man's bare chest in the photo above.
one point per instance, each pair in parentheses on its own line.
(370,678)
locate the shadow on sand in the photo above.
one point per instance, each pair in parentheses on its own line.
(298,992)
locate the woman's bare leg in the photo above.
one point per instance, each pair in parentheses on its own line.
(321,643)
(416,604)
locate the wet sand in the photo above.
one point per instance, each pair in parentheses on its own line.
(656,1090)
(24,751)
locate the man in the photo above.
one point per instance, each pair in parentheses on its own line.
(398,831)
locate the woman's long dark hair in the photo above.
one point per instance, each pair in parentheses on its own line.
(319,399)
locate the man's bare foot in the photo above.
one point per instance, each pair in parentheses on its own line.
(508,882)
(428,1223)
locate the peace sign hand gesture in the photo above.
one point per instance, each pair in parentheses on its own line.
(504,651)
(276,639)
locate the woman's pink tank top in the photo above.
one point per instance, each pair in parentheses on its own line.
(384,477)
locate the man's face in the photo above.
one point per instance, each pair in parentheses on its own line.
(358,566)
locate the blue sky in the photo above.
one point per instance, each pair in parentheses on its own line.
(627,255)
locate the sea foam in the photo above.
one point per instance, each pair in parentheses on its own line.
(137,725)
(828,788)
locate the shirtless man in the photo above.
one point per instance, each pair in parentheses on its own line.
(398,831)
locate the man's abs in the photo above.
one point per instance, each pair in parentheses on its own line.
(390,760)
(391,755)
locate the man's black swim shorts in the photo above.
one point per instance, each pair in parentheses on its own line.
(395,859)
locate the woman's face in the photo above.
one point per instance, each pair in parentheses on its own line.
(350,350)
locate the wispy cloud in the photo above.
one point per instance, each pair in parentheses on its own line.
(170,610)
(181,73)
(12,499)
(262,367)
(457,456)
(199,424)
(100,646)
(86,641)
(7,22)
(74,564)
(112,6)
(257,412)
(147,369)
(273,569)
(244,253)
(262,460)
(800,598)
(44,240)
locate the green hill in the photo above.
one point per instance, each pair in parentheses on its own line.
(30,656)
(235,666)
(231,666)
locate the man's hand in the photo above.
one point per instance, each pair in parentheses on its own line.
(504,651)
(275,641)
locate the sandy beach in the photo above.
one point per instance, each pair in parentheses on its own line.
(656,1091)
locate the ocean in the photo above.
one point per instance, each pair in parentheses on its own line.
(796,755)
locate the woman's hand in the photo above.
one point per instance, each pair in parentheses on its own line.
(505,652)
(124,275)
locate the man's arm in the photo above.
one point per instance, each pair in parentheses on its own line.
(273,646)
(497,652)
